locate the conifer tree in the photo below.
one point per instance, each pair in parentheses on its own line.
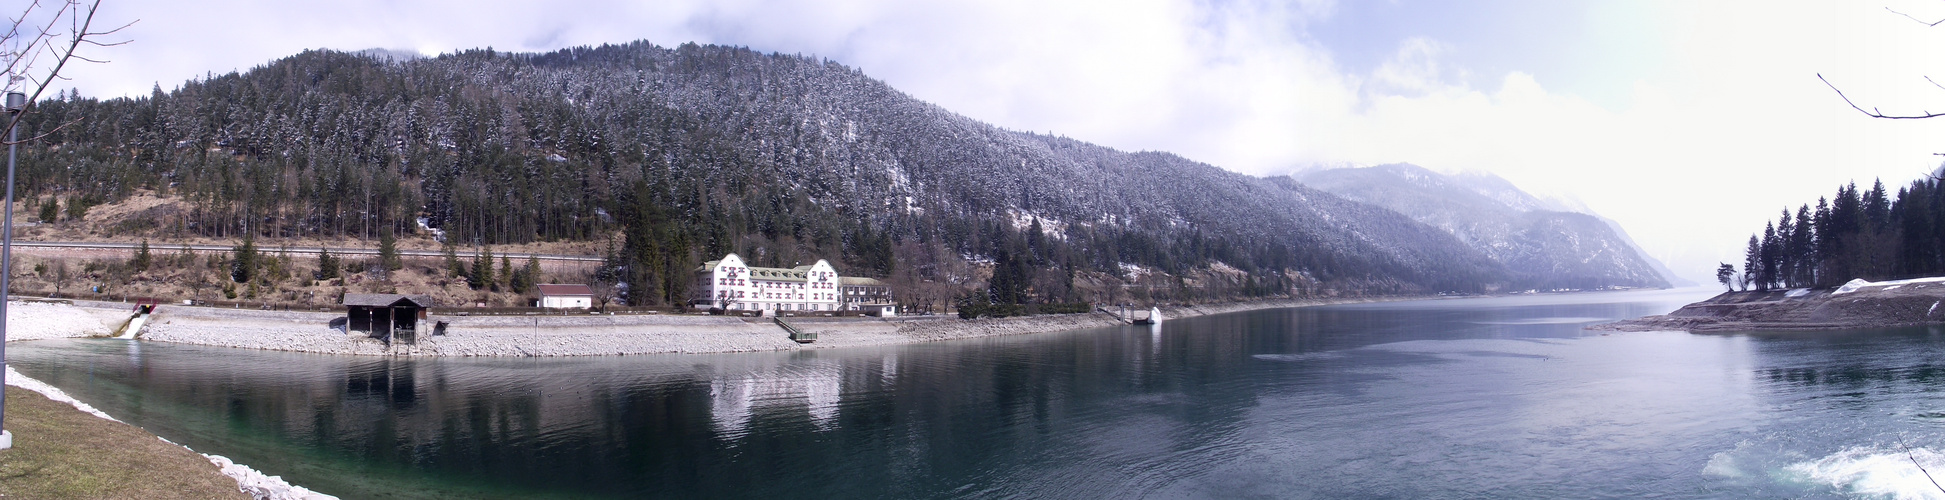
(1802,248)
(142,258)
(1752,261)
(327,265)
(482,275)
(77,208)
(1785,259)
(506,272)
(50,210)
(1825,244)
(454,267)
(388,251)
(243,263)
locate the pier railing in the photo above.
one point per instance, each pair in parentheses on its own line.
(802,337)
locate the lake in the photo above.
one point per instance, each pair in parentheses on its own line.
(1505,397)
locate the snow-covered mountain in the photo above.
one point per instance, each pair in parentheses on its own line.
(783,158)
(1544,245)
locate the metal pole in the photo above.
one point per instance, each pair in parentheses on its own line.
(16,102)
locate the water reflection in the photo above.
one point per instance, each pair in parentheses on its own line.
(813,385)
(1123,411)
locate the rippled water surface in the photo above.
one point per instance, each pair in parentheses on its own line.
(1500,398)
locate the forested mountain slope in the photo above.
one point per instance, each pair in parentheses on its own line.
(694,151)
(1543,246)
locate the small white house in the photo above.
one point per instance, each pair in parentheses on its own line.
(566,296)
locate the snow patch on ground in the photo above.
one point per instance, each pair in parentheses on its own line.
(425,224)
(248,480)
(1223,267)
(263,487)
(1856,284)
(1796,292)
(15,379)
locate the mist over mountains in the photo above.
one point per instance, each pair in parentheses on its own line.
(685,153)
(1542,243)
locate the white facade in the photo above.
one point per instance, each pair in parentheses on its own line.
(567,302)
(730,284)
(566,296)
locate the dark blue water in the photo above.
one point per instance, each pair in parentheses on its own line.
(1481,398)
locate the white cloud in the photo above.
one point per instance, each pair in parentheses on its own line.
(1693,164)
(1415,68)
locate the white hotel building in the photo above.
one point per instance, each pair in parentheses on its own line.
(731,284)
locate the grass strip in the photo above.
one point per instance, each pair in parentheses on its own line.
(60,452)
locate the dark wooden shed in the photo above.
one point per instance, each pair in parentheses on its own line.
(388,316)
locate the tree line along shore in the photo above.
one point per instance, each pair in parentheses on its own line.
(1865,258)
(1858,234)
(292,273)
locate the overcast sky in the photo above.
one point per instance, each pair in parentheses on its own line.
(1691,123)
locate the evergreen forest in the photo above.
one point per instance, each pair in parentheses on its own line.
(1857,234)
(675,156)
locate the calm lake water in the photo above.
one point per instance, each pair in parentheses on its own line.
(1500,398)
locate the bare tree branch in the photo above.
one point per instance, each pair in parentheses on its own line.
(1921,467)
(22,59)
(36,137)
(1908,16)
(1934,83)
(1873,112)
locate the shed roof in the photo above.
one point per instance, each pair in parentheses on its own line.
(560,290)
(387,300)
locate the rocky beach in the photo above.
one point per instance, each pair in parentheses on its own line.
(570,334)
(1858,304)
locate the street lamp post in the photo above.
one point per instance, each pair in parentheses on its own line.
(16,102)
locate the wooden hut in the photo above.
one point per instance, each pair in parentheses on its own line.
(388,316)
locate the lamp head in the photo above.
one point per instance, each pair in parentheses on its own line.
(16,102)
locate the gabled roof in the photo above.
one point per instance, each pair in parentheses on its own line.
(799,273)
(777,273)
(387,300)
(561,290)
(855,281)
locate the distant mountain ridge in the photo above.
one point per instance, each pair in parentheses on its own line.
(1542,245)
(694,151)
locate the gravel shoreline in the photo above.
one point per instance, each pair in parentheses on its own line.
(1859,304)
(598,335)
